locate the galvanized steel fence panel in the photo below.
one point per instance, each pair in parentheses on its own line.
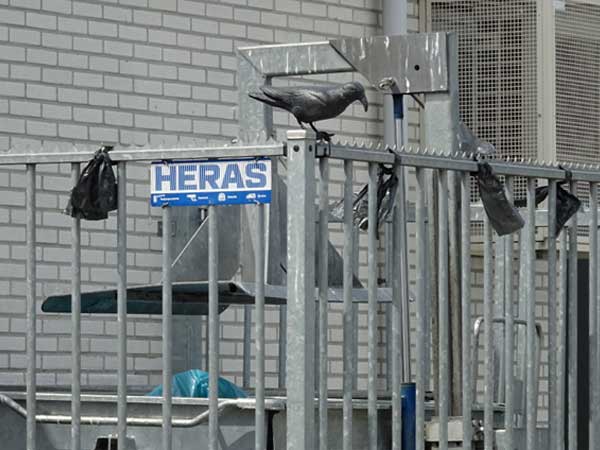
(307,325)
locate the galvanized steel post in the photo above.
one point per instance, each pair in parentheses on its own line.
(31,309)
(444,369)
(75,323)
(421,300)
(573,311)
(561,351)
(553,424)
(167,330)
(531,397)
(509,330)
(323,299)
(398,245)
(593,307)
(466,310)
(348,309)
(301,289)
(488,274)
(213,328)
(259,267)
(122,304)
(372,300)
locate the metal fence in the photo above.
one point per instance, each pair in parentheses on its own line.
(307,320)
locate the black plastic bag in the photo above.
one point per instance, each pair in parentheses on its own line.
(387,184)
(96,191)
(567,204)
(469,143)
(504,217)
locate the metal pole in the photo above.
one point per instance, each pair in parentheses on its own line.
(75,323)
(389,275)
(531,397)
(213,328)
(372,301)
(323,297)
(246,346)
(401,229)
(348,354)
(561,350)
(122,304)
(167,331)
(396,336)
(301,290)
(422,342)
(572,330)
(466,309)
(259,264)
(488,305)
(509,330)
(31,308)
(444,372)
(593,294)
(552,318)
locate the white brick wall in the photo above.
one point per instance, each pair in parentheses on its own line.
(134,72)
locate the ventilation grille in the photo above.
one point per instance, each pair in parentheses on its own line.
(578,85)
(497,71)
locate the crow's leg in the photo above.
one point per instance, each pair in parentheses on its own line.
(300,123)
(321,135)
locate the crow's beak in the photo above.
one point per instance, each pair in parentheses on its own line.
(364,102)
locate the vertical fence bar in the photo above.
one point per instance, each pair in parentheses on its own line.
(246,346)
(122,305)
(561,350)
(259,264)
(552,319)
(75,323)
(301,290)
(348,352)
(509,331)
(396,329)
(355,307)
(444,372)
(213,329)
(323,298)
(531,397)
(572,330)
(31,309)
(167,330)
(387,308)
(372,312)
(488,305)
(465,241)
(421,343)
(593,236)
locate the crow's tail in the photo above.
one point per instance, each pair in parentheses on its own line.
(262,98)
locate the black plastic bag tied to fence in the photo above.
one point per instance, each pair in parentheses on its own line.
(387,184)
(567,204)
(95,193)
(503,215)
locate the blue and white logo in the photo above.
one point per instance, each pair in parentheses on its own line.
(212,182)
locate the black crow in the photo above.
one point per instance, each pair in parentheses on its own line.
(310,104)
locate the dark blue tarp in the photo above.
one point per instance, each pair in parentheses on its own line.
(194,383)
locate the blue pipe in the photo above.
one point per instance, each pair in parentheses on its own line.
(409,404)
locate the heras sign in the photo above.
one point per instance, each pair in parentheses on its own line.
(211,182)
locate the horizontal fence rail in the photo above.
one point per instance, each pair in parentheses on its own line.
(418,235)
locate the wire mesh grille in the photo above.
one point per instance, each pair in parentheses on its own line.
(497,71)
(578,85)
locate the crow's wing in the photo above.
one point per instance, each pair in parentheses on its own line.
(297,97)
(263,98)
